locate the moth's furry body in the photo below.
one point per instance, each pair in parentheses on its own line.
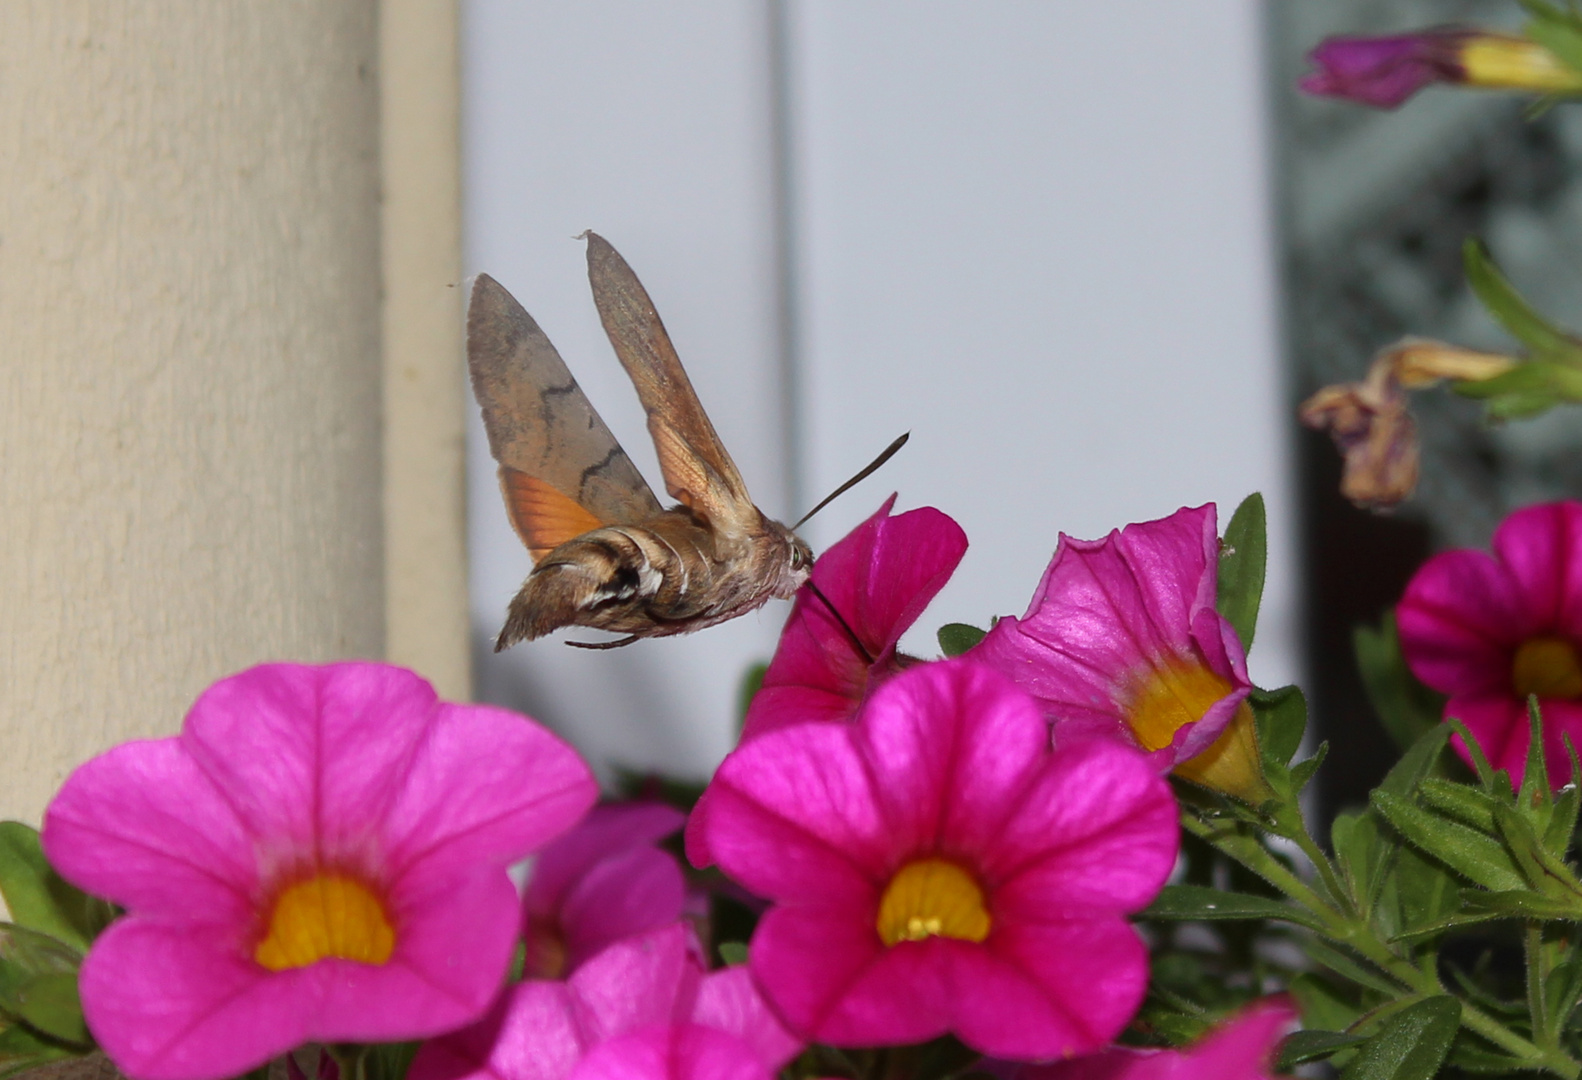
(606,554)
(667,575)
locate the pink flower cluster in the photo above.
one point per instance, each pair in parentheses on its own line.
(937,847)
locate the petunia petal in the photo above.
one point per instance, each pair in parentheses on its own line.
(169,1001)
(1459,620)
(833,980)
(729,1001)
(1048,991)
(531,1034)
(311,757)
(173,846)
(486,785)
(679,1052)
(611,829)
(793,814)
(1541,546)
(630,892)
(1097,833)
(951,748)
(637,983)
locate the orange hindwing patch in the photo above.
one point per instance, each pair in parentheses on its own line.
(542,516)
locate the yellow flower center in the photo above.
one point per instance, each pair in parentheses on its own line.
(1515,63)
(1231,763)
(1175,693)
(932,898)
(1548,667)
(327,915)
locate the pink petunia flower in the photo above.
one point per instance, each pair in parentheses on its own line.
(603,881)
(1385,71)
(1488,630)
(1240,1049)
(1122,640)
(880,577)
(320,855)
(643,1008)
(935,867)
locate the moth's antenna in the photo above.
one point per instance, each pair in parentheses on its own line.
(889,452)
(851,634)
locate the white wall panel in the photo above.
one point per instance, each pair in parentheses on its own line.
(1035,235)
(648,124)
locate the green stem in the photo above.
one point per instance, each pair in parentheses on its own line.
(1350,929)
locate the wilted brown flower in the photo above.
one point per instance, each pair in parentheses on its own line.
(1369,420)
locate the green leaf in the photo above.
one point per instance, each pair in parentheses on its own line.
(957,637)
(747,689)
(1467,804)
(389,1061)
(1406,708)
(1198,902)
(1477,857)
(49,1003)
(1301,1047)
(1411,1044)
(1242,559)
(1425,893)
(1349,966)
(1361,849)
(1507,306)
(1417,763)
(1323,1004)
(41,899)
(1559,37)
(1519,904)
(733,952)
(1303,770)
(22,1049)
(1281,717)
(1480,764)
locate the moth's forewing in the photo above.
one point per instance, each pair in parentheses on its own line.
(540,424)
(697,469)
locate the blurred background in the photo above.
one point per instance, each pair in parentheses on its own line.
(1039,237)
(1090,255)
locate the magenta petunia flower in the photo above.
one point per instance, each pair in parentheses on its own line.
(1385,71)
(603,881)
(320,855)
(1122,640)
(1488,630)
(643,1008)
(1240,1049)
(880,577)
(935,867)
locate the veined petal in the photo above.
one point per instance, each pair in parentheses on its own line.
(1459,622)
(1541,547)
(611,829)
(677,1052)
(1096,834)
(639,983)
(729,1001)
(173,846)
(486,785)
(311,757)
(532,1034)
(631,892)
(1050,990)
(951,748)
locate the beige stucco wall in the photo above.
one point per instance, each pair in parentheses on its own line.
(425,373)
(190,387)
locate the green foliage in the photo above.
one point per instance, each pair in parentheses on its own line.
(1410,1045)
(1405,707)
(956,638)
(1557,29)
(733,952)
(1243,556)
(41,899)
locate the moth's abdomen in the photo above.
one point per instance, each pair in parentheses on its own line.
(599,579)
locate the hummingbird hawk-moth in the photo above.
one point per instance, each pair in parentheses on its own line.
(606,555)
